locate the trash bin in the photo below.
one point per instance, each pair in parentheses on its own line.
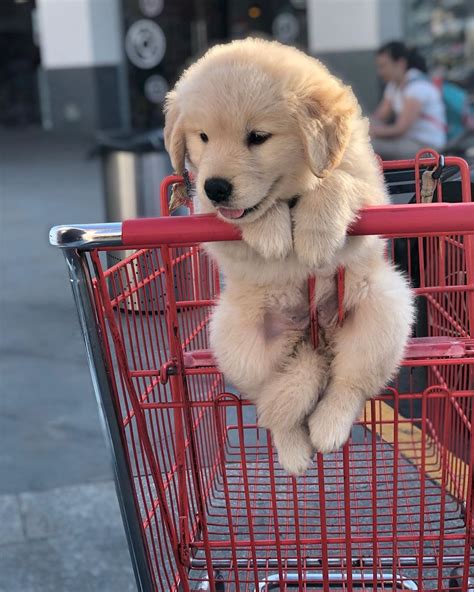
(133,166)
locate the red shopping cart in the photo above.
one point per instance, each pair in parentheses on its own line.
(204,502)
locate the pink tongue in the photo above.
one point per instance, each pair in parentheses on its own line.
(232,214)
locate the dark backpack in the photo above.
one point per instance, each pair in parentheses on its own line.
(459,118)
(458,111)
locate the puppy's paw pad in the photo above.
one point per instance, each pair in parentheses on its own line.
(295,452)
(329,430)
(296,462)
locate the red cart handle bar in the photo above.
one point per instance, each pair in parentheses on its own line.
(388,221)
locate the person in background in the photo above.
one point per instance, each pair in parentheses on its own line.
(411,114)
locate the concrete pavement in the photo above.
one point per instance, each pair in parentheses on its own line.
(60,527)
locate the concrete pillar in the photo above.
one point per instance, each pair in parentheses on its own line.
(345,35)
(82,83)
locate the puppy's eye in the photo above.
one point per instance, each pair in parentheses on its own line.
(256,138)
(204,137)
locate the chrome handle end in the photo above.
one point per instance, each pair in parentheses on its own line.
(86,236)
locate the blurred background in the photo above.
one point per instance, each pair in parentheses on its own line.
(87,65)
(79,80)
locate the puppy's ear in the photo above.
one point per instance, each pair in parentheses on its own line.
(174,134)
(325,114)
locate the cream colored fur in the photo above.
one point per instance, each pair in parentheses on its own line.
(319,150)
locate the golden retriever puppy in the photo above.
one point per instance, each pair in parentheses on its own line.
(278,146)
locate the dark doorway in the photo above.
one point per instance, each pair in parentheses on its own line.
(19,62)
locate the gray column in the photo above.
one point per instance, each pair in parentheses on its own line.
(345,35)
(81,78)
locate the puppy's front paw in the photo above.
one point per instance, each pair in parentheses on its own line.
(320,229)
(329,428)
(271,235)
(295,452)
(317,249)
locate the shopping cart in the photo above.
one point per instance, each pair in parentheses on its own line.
(204,502)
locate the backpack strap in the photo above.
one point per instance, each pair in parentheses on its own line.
(430,118)
(435,121)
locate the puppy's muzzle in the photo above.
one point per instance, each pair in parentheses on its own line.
(217,189)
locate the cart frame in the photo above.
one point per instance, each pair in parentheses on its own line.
(77,241)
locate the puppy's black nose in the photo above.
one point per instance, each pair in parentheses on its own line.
(217,189)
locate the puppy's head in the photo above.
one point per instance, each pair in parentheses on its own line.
(256,121)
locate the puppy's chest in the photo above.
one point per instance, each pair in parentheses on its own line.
(288,308)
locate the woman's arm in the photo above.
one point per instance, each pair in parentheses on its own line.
(409,114)
(383,111)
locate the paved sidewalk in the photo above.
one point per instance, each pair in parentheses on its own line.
(60,527)
(66,539)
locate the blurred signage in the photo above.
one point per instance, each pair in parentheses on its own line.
(145,44)
(151,8)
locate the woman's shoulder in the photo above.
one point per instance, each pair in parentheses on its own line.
(418,83)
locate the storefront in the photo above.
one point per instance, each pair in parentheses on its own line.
(162,37)
(109,64)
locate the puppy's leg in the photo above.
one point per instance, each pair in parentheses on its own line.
(238,340)
(271,235)
(285,401)
(367,351)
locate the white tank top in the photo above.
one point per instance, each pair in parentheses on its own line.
(430,127)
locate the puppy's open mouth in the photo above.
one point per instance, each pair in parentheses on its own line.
(238,214)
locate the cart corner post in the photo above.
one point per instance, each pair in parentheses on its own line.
(81,284)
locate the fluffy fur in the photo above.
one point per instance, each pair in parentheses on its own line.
(319,156)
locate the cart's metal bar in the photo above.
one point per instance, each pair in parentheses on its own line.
(359,579)
(389,220)
(383,562)
(81,286)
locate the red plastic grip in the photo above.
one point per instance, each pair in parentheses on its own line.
(390,220)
